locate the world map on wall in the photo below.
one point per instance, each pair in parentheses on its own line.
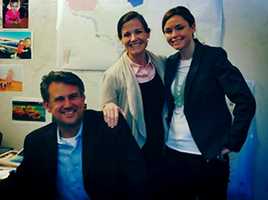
(86,29)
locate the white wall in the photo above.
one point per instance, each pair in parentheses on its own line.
(246,41)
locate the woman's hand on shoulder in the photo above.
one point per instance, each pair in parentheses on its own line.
(111,114)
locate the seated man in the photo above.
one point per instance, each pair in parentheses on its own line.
(76,156)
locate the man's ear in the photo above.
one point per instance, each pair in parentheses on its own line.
(46,106)
(84,98)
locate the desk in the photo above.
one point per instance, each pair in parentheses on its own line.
(4,171)
(4,149)
(9,161)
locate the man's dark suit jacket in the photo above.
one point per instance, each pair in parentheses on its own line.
(113,167)
(210,78)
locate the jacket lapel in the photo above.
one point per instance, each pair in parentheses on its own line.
(134,99)
(50,152)
(171,69)
(159,64)
(193,69)
(90,129)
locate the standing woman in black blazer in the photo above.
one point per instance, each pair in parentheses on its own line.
(201,129)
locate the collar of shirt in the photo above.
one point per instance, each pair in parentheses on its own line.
(143,73)
(70,141)
(185,63)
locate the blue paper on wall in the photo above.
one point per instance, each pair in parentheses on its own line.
(135,2)
(242,165)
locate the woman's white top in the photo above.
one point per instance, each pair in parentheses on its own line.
(179,134)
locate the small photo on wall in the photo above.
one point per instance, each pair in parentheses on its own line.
(15,13)
(28,111)
(15,45)
(11,78)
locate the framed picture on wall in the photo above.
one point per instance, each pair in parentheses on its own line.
(15,13)
(15,45)
(11,78)
(28,110)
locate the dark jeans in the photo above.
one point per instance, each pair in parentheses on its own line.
(154,160)
(191,177)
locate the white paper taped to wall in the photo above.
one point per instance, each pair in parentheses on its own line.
(87,37)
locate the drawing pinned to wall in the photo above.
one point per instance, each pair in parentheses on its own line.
(28,110)
(11,78)
(80,5)
(15,45)
(87,37)
(15,13)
